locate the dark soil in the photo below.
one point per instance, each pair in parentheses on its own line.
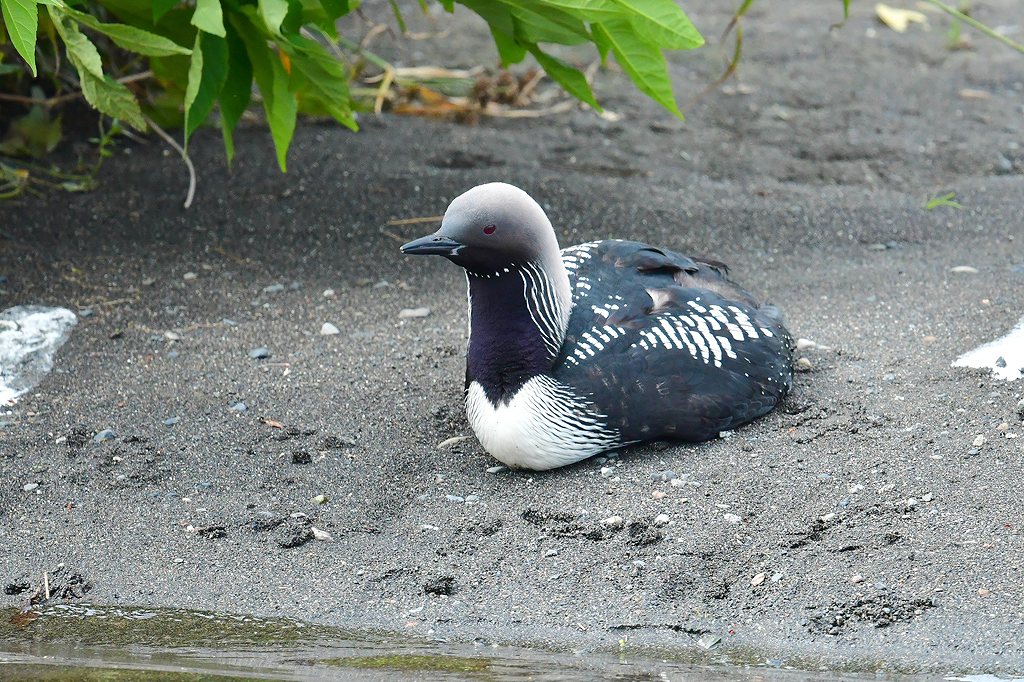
(857,523)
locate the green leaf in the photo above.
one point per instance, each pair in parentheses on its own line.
(846,9)
(131,38)
(33,134)
(509,50)
(642,61)
(279,102)
(497,16)
(398,16)
(565,75)
(237,90)
(273,13)
(162,7)
(944,200)
(206,77)
(209,17)
(588,10)
(318,76)
(21,17)
(335,9)
(537,23)
(662,23)
(82,53)
(449,5)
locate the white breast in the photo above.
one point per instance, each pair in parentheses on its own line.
(544,426)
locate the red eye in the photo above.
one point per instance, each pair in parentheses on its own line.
(490,229)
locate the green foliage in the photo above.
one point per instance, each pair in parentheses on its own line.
(945,200)
(204,56)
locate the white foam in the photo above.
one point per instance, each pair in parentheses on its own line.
(1004,356)
(29,337)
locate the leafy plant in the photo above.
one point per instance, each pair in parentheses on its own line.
(205,55)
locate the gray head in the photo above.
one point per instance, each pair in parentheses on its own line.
(491,226)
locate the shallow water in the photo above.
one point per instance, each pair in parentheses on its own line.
(82,642)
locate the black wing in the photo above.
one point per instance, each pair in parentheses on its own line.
(667,346)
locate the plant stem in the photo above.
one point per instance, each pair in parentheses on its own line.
(953,12)
(184,157)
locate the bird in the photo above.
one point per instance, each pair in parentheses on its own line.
(573,352)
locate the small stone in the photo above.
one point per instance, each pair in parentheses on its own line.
(148,281)
(661,520)
(29,487)
(319,499)
(659,494)
(964,270)
(273,288)
(328,293)
(472,499)
(776,577)
(189,276)
(301,457)
(448,442)
(973,452)
(104,435)
(551,552)
(171,421)
(238,407)
(612,522)
(260,353)
(328,329)
(1003,427)
(1000,362)
(606,472)
(406,313)
(321,535)
(757,580)
(732,518)
(984,592)
(455,498)
(172,336)
(496,469)
(979,440)
(803,365)
(709,641)
(856,578)
(677,483)
(805,344)
(1020,408)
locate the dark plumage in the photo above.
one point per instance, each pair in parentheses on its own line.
(602,344)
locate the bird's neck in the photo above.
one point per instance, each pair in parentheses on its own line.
(518,320)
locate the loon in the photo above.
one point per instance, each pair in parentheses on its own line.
(577,351)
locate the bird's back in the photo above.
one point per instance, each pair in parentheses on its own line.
(667,346)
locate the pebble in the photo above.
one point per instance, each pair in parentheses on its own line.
(328,329)
(260,353)
(979,440)
(104,435)
(86,312)
(659,494)
(455,498)
(856,578)
(273,288)
(927,497)
(406,313)
(612,522)
(805,344)
(1003,427)
(238,407)
(1020,408)
(470,499)
(171,421)
(319,499)
(328,293)
(677,483)
(496,469)
(984,592)
(606,472)
(551,552)
(803,365)
(321,535)
(448,442)
(732,518)
(29,487)
(964,270)
(757,580)
(661,520)
(172,336)
(148,282)
(666,475)
(189,276)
